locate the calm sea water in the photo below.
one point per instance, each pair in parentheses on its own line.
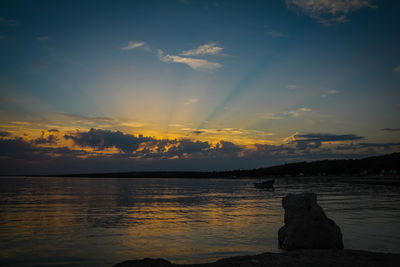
(88,221)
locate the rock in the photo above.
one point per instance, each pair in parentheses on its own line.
(306,225)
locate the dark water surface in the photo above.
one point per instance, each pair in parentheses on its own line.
(95,221)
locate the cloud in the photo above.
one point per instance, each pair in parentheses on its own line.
(269,116)
(16,148)
(385,146)
(60,120)
(197,132)
(191,101)
(42,38)
(264,150)
(187,146)
(8,22)
(135,44)
(228,148)
(100,139)
(175,125)
(329,92)
(329,12)
(150,147)
(89,151)
(391,129)
(207,49)
(397,69)
(296,113)
(273,32)
(315,140)
(4,134)
(83,118)
(25,152)
(194,63)
(327,137)
(351,146)
(291,86)
(43,139)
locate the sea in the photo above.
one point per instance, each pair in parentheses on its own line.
(55,221)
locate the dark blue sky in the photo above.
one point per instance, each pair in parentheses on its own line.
(261,75)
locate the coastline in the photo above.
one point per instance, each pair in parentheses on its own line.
(374,180)
(298,258)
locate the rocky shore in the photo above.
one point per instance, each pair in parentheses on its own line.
(309,237)
(297,258)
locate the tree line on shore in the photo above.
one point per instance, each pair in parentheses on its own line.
(386,165)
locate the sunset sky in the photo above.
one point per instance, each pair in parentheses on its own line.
(98,86)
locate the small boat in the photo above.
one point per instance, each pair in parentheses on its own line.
(269,183)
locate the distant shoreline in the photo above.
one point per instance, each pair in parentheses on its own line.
(372,167)
(355,180)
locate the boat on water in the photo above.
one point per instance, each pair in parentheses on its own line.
(269,183)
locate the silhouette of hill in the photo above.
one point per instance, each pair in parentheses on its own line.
(386,164)
(381,165)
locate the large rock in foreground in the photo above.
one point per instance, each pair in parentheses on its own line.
(306,225)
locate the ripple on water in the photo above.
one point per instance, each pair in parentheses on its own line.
(104,221)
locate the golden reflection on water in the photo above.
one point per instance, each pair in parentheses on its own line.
(104,221)
(213,229)
(126,218)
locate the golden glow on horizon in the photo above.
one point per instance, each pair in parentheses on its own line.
(70,124)
(164,120)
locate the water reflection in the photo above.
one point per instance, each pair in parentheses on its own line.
(104,221)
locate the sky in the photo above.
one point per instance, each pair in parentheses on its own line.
(104,86)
